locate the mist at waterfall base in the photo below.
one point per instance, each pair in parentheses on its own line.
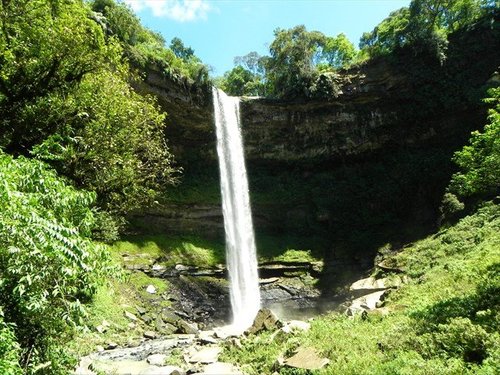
(241,256)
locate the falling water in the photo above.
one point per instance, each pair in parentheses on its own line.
(240,243)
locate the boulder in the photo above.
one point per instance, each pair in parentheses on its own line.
(186,328)
(265,320)
(367,302)
(307,359)
(370,283)
(206,355)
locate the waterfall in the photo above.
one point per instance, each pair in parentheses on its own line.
(241,257)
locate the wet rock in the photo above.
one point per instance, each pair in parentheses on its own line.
(141,310)
(234,341)
(386,266)
(157,267)
(111,346)
(181,267)
(205,355)
(265,320)
(307,359)
(156,359)
(269,280)
(144,350)
(130,316)
(207,337)
(169,317)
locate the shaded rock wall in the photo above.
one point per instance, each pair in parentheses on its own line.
(328,168)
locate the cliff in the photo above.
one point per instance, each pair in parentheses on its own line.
(360,170)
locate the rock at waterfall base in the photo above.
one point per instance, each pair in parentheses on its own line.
(206,355)
(307,359)
(265,320)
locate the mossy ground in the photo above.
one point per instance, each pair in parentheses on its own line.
(445,320)
(195,251)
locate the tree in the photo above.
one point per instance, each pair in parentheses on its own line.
(180,50)
(424,26)
(290,70)
(113,143)
(65,97)
(246,78)
(338,51)
(387,36)
(252,61)
(46,46)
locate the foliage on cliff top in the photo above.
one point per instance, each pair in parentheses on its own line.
(444,319)
(302,64)
(145,48)
(48,264)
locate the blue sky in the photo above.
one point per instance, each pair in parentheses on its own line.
(219,30)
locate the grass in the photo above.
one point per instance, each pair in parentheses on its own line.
(194,251)
(109,305)
(444,320)
(170,251)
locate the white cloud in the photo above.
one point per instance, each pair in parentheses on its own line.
(178,10)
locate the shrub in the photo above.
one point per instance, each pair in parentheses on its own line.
(9,350)
(48,264)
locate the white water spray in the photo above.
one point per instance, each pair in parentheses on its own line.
(240,243)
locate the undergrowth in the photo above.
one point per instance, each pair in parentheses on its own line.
(444,320)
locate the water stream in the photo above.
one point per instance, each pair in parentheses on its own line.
(241,255)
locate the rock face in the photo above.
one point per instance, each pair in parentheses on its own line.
(327,168)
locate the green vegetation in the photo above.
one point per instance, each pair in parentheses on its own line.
(9,350)
(303,64)
(145,48)
(480,161)
(66,97)
(106,321)
(195,251)
(49,266)
(444,319)
(170,251)
(80,148)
